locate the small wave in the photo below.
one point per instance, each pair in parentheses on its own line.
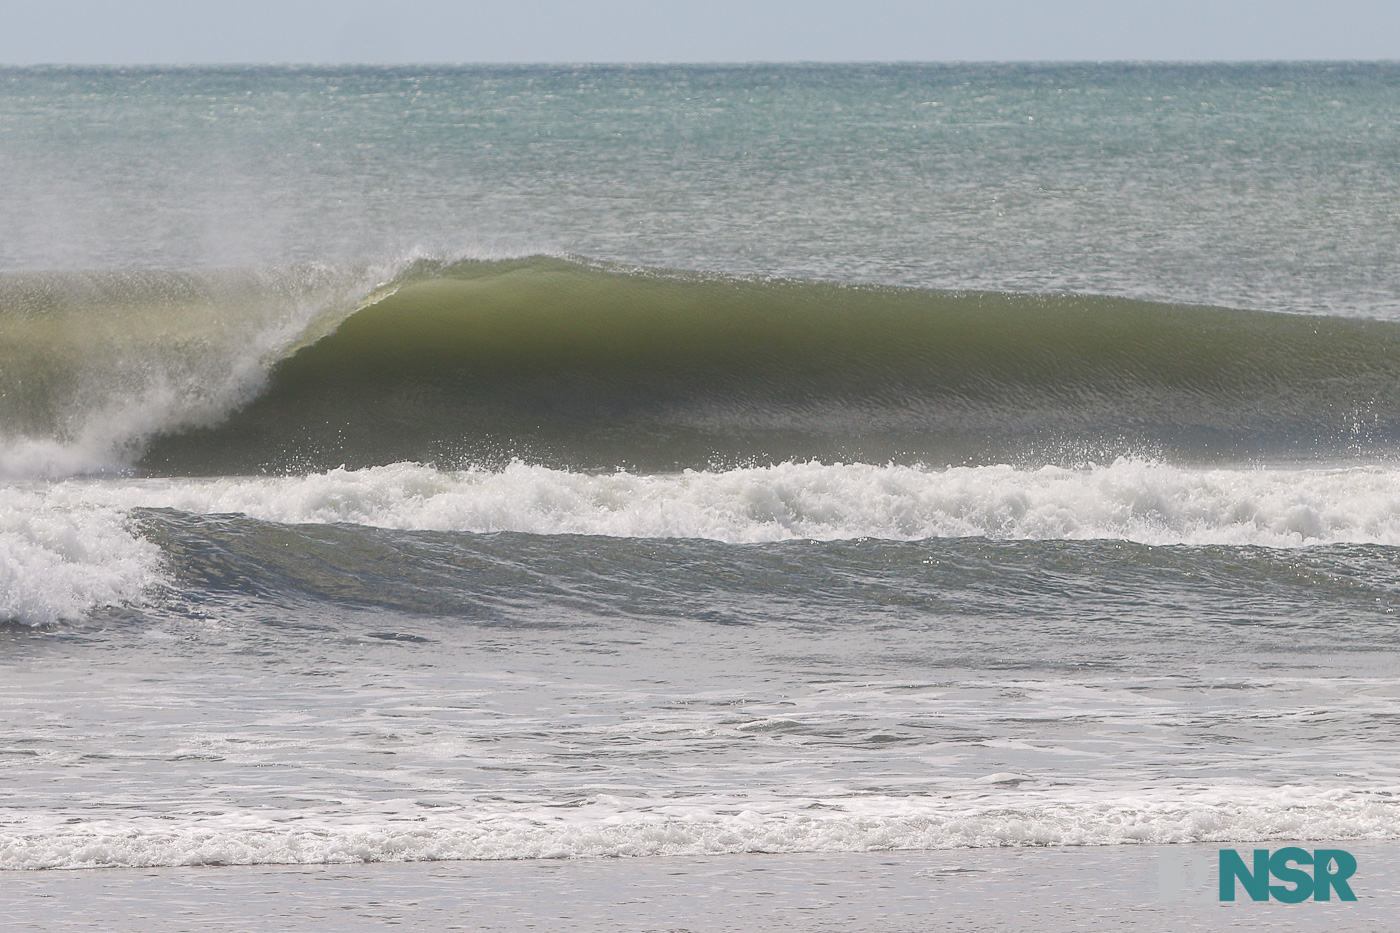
(615,827)
(68,548)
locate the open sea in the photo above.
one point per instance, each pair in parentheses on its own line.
(430,482)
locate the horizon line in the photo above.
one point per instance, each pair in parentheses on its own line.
(705,64)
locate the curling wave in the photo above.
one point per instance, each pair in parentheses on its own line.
(583,366)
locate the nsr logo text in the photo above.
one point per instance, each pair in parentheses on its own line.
(1330,870)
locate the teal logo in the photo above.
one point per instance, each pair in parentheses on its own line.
(1290,875)
(1330,870)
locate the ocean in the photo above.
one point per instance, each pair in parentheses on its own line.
(427,482)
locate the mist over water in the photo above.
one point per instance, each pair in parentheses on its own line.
(532,462)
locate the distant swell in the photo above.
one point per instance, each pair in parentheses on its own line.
(582,366)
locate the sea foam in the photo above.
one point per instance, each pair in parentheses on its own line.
(607,826)
(1142,501)
(58,563)
(68,547)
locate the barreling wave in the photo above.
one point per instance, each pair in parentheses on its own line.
(585,366)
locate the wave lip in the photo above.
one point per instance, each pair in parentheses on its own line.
(94,364)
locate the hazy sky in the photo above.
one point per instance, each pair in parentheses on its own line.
(190,31)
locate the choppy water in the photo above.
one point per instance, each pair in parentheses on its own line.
(522,463)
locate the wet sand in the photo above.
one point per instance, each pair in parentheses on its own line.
(1024,889)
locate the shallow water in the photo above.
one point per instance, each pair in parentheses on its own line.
(1115,887)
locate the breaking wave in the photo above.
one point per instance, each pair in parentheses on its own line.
(584,366)
(613,827)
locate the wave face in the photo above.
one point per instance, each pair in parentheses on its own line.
(581,366)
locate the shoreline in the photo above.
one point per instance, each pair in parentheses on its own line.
(1008,889)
